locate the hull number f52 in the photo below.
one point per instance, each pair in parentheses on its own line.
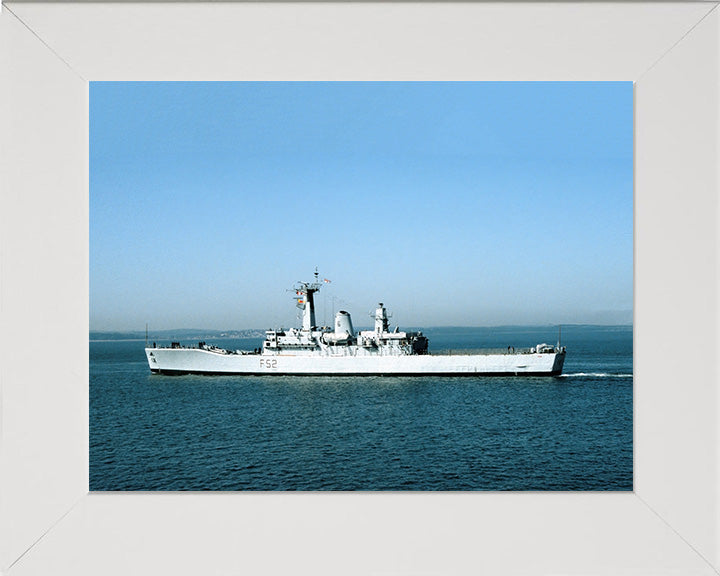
(268,363)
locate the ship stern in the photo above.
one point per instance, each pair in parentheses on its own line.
(558,363)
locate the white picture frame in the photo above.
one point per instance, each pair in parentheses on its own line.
(49,523)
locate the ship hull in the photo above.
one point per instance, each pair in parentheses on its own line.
(199,361)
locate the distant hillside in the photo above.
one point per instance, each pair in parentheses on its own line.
(189,334)
(177,334)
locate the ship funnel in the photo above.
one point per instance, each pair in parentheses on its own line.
(343,324)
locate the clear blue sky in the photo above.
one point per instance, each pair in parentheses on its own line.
(468,203)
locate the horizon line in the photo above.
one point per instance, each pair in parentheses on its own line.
(544,325)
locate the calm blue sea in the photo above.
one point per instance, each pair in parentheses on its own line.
(574,432)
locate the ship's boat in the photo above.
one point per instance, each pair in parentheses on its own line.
(340,350)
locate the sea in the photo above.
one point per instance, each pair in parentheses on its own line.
(151,432)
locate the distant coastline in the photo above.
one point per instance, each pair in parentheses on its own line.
(175,334)
(200,334)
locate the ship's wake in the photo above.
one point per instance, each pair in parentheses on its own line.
(595,375)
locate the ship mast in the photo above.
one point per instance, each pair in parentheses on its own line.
(381,319)
(304,295)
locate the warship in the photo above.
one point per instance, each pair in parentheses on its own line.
(340,350)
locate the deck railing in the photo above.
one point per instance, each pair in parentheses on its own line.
(481,351)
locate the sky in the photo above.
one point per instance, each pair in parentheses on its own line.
(454,203)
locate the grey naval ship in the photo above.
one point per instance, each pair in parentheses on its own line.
(313,350)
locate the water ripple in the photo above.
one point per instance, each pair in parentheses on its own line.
(150,432)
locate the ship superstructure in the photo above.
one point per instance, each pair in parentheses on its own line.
(313,350)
